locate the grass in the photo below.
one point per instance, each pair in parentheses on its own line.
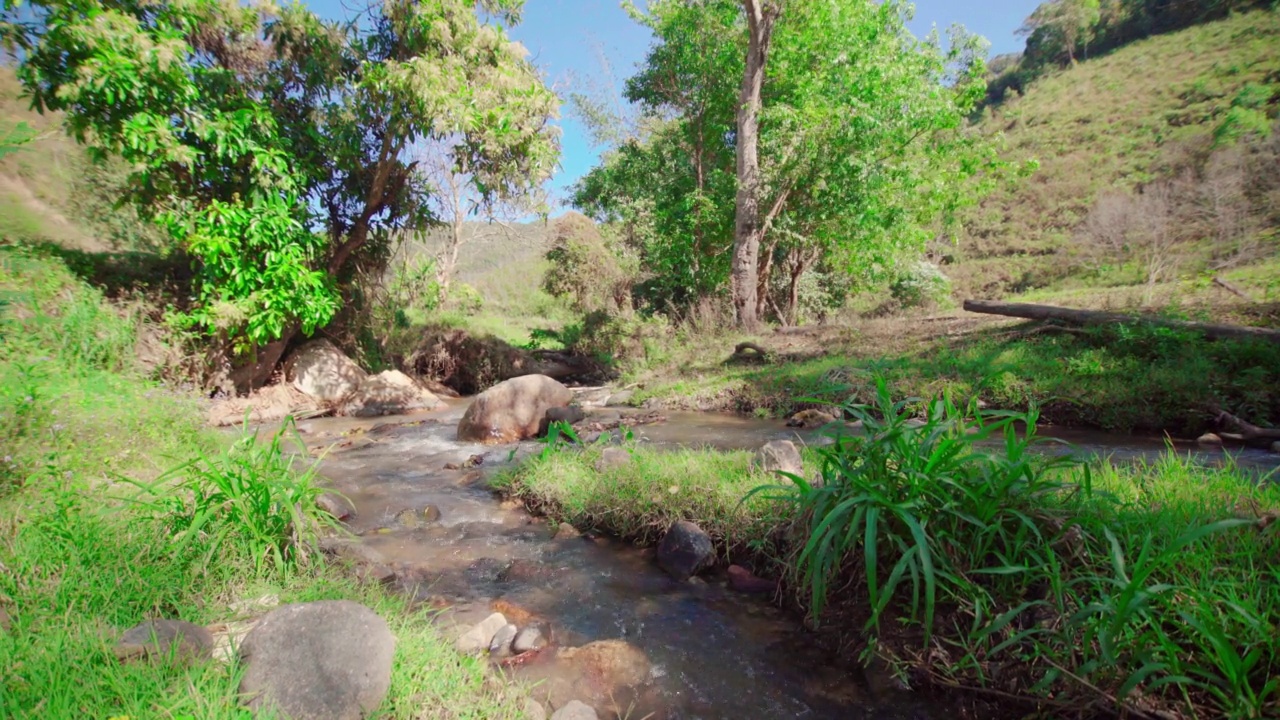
(83,556)
(1084,590)
(1118,378)
(1108,123)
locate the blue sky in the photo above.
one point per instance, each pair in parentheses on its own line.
(567,39)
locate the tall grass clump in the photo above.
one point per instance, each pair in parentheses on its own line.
(253,494)
(1141,589)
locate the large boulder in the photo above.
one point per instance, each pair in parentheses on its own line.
(326,660)
(685,550)
(779,456)
(512,410)
(390,392)
(320,370)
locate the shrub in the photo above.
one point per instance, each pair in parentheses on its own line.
(920,284)
(583,268)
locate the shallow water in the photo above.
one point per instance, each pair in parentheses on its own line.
(713,653)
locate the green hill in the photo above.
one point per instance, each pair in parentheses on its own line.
(1112,125)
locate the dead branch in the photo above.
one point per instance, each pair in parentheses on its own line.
(1233,289)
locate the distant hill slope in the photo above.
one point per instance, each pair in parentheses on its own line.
(1116,122)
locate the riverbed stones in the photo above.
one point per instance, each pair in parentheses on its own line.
(500,645)
(321,371)
(685,550)
(575,710)
(512,410)
(412,518)
(612,458)
(479,637)
(611,664)
(810,419)
(390,392)
(529,638)
(744,581)
(325,660)
(1209,440)
(565,531)
(779,456)
(337,506)
(161,639)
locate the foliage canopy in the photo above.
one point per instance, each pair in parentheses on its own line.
(864,149)
(271,144)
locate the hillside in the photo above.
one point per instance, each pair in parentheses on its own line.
(1110,125)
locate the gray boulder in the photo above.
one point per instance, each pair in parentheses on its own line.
(685,550)
(512,410)
(779,456)
(160,639)
(326,660)
(321,371)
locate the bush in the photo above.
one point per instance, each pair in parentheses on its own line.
(920,285)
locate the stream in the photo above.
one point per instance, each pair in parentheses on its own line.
(712,653)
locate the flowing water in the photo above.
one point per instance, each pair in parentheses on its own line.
(712,653)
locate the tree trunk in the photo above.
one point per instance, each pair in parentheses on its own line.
(449,259)
(1097,317)
(761,15)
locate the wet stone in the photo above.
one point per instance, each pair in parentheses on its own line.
(162,638)
(480,637)
(528,639)
(685,550)
(1209,439)
(565,531)
(533,710)
(575,710)
(411,518)
(744,581)
(500,646)
(336,505)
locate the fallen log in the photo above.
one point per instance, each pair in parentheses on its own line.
(1100,317)
(1245,431)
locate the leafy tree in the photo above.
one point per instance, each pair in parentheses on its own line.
(583,268)
(863,149)
(1072,21)
(272,144)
